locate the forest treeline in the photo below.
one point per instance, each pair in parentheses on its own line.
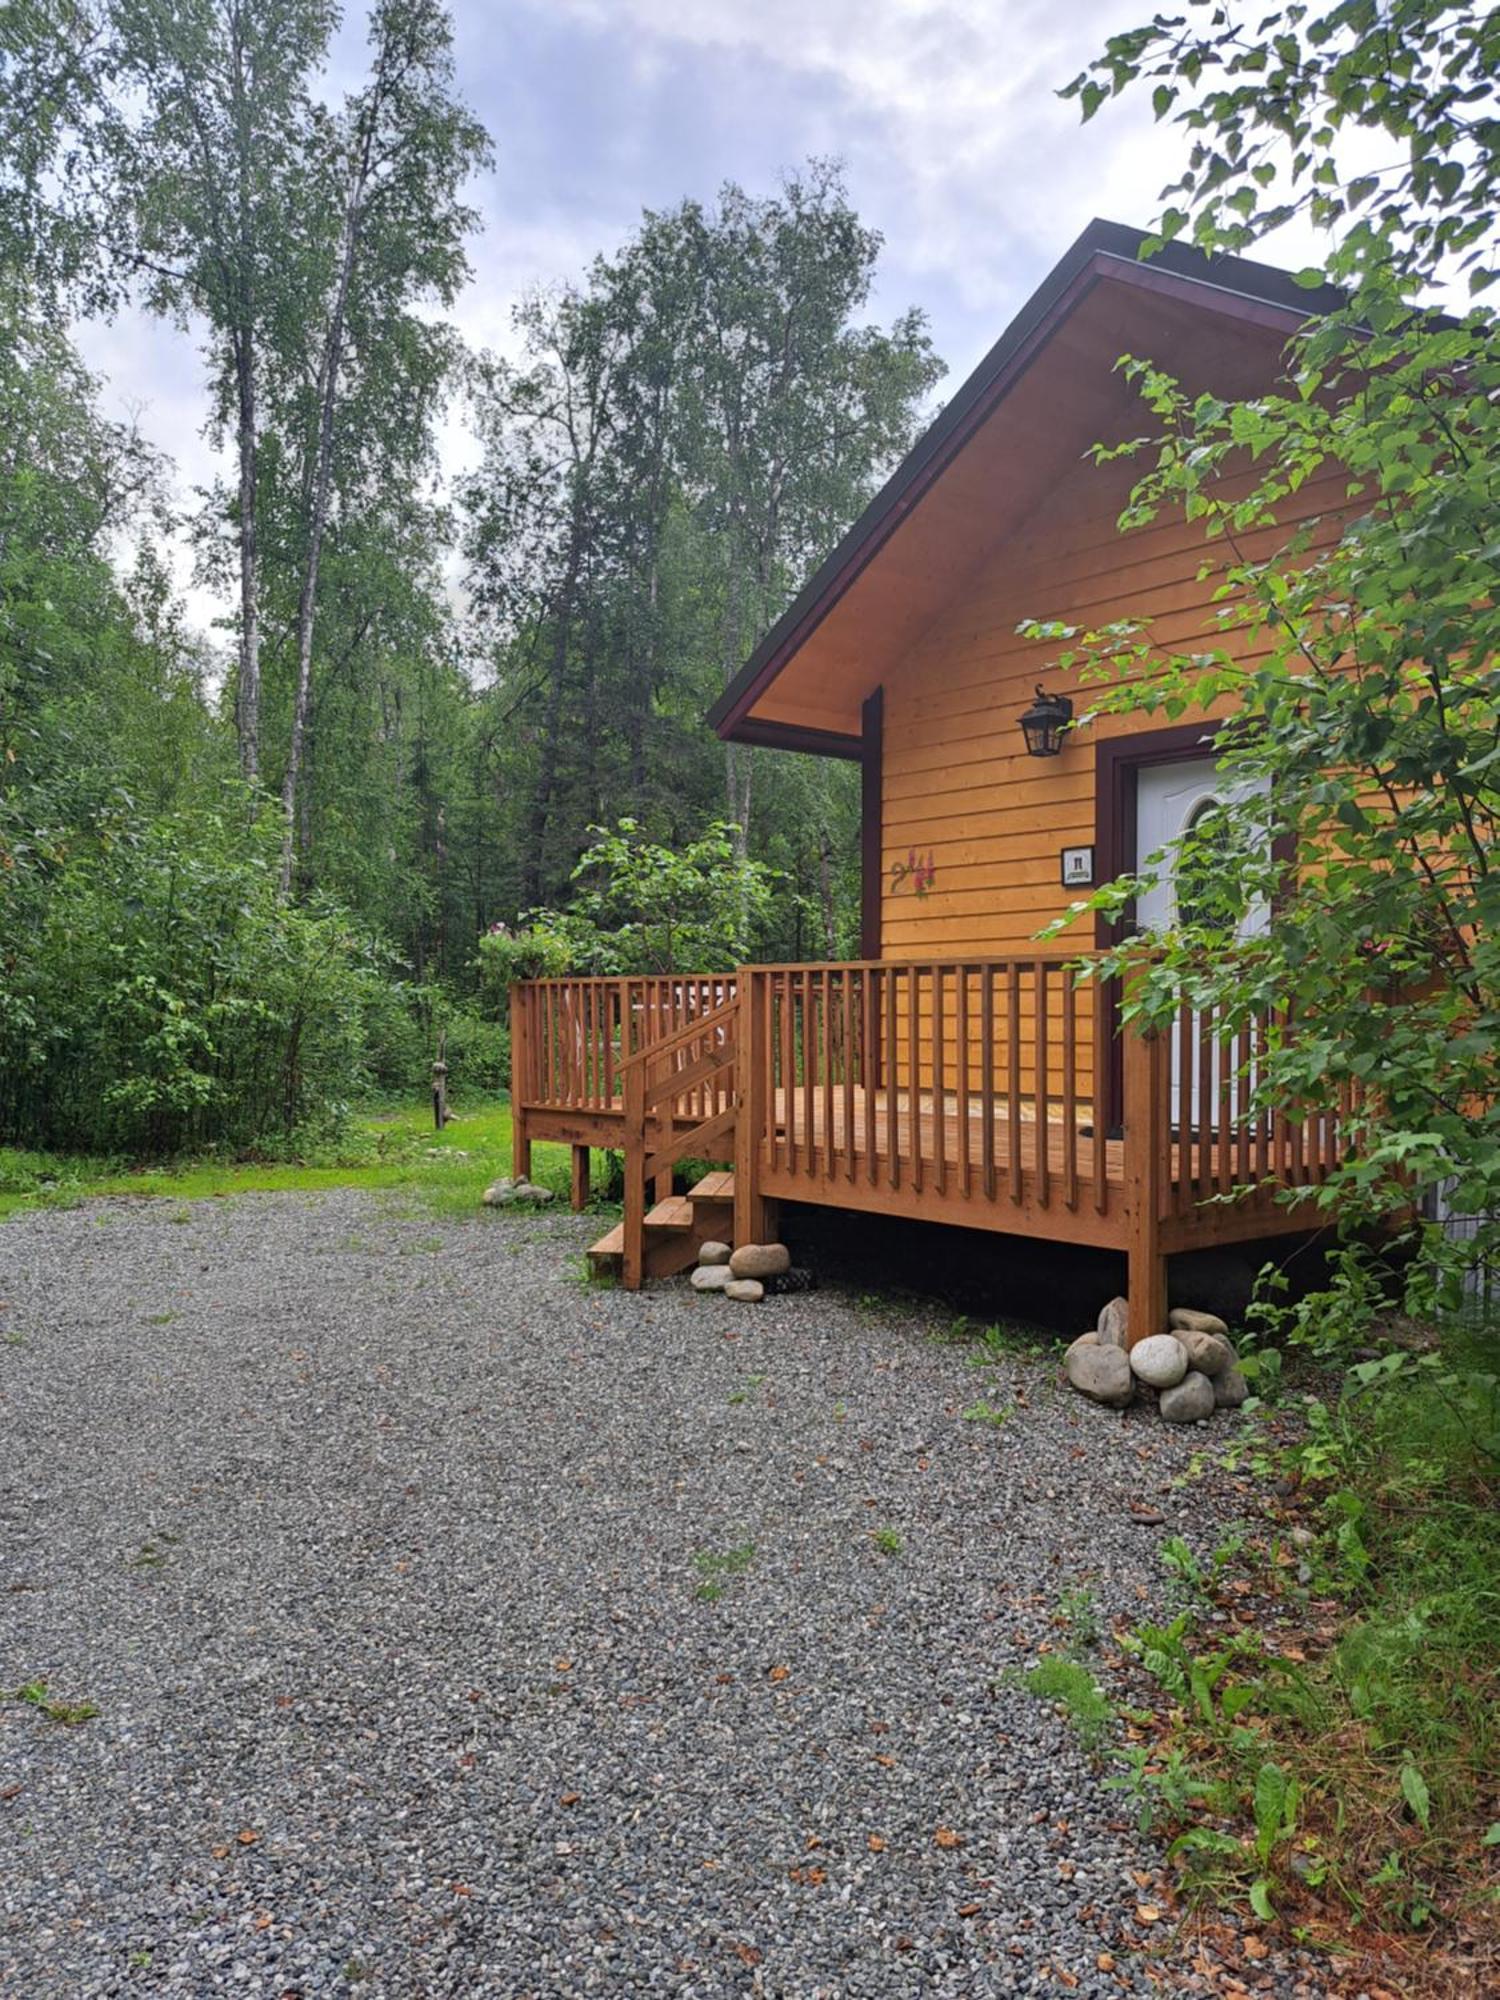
(244,874)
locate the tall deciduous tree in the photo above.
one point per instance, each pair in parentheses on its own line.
(207,167)
(397,158)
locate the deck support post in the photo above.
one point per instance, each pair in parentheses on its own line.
(754,1216)
(579,1192)
(1145,1147)
(520,1076)
(633,1254)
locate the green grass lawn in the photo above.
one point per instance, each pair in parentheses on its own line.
(390,1147)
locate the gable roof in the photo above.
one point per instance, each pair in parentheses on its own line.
(1105,254)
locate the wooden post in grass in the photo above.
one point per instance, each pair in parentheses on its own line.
(440,1085)
(580,1189)
(520,1083)
(1145,1149)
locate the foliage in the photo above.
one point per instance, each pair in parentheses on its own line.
(1357,1751)
(158,994)
(1073,1688)
(393,1151)
(644,505)
(641,907)
(1349,520)
(685,433)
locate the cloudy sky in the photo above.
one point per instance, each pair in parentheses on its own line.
(943,111)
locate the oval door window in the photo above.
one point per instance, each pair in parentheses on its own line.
(1208,867)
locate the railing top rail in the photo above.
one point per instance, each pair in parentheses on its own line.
(711,1017)
(615,979)
(949,962)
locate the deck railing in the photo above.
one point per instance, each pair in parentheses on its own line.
(988,1091)
(1212,1139)
(974,1080)
(571,1037)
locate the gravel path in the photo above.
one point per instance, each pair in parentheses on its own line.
(388,1551)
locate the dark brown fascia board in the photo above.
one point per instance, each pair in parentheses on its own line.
(1237,286)
(790,736)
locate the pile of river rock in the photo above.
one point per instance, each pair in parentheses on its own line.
(507,1192)
(1189,1371)
(742,1274)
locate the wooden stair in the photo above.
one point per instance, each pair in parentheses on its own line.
(676,1229)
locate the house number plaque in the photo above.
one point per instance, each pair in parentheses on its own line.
(1078,867)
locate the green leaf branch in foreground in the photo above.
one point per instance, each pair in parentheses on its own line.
(1349,517)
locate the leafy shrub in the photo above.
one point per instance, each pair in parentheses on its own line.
(157,995)
(640,907)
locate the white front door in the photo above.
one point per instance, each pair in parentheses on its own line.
(1170,799)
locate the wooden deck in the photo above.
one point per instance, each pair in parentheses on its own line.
(960,1093)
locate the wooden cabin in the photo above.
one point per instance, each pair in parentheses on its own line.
(958,1072)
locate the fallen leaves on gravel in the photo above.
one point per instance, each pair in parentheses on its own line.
(778,1673)
(946,1837)
(875,1844)
(1147,1913)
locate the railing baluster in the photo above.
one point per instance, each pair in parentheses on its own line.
(789,1069)
(961,1057)
(1041,1123)
(1013,1074)
(1186,1070)
(987,1086)
(914,1073)
(1102,1057)
(870,1068)
(892,1055)
(939,1101)
(1069,993)
(830,1152)
(809,1051)
(847,978)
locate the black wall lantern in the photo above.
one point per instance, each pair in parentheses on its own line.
(1044,722)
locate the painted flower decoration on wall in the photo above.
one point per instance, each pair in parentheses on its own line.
(920,872)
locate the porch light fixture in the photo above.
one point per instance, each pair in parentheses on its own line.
(1044,722)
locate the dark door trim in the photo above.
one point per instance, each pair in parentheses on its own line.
(1117,762)
(871,830)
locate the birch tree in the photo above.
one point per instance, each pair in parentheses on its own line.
(204,168)
(397,160)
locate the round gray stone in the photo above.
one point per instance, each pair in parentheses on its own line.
(710,1278)
(760,1260)
(1160,1360)
(1230,1389)
(1114,1324)
(1190,1402)
(713,1253)
(1182,1318)
(749,1291)
(1209,1353)
(1099,1372)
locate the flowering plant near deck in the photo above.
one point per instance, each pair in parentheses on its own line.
(1360,653)
(641,907)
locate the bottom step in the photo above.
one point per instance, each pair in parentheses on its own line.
(675,1230)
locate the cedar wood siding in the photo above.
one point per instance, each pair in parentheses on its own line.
(957,782)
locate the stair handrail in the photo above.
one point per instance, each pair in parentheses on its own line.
(688,1032)
(634,1080)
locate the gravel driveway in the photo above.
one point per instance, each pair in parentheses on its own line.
(456,1628)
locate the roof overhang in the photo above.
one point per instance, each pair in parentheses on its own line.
(1046,391)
